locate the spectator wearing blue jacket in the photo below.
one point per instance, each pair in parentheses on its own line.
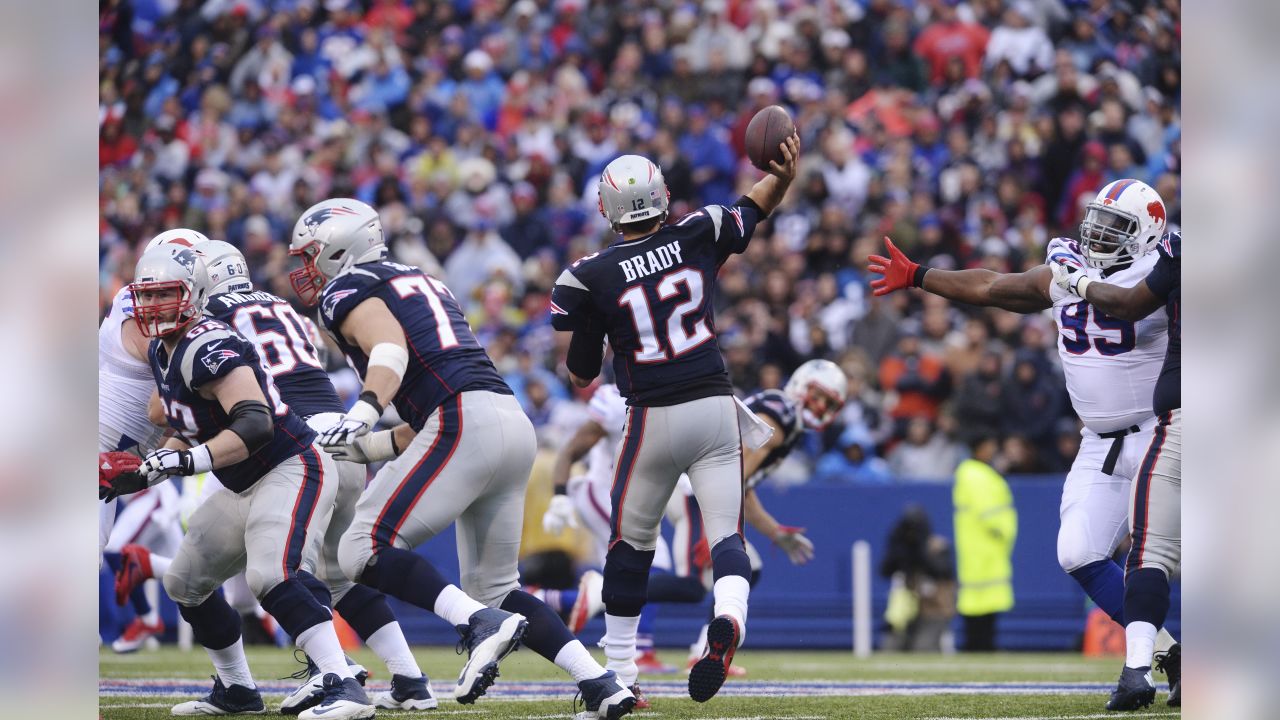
(706,147)
(853,461)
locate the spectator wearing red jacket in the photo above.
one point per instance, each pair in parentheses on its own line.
(949,37)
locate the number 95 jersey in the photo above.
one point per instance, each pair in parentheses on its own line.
(444,357)
(1111,365)
(652,297)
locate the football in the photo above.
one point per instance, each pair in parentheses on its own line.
(765,133)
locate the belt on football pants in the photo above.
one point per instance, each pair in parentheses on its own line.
(1117,444)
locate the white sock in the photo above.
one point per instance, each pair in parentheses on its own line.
(456,606)
(388,643)
(620,646)
(159,565)
(320,643)
(574,659)
(1164,641)
(232,665)
(731,593)
(1140,644)
(152,590)
(695,650)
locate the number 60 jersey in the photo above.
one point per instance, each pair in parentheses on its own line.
(1111,365)
(652,296)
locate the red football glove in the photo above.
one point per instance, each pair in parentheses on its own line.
(118,475)
(898,271)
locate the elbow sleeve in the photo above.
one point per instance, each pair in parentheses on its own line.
(586,353)
(251,421)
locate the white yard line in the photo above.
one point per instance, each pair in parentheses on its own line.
(1093,716)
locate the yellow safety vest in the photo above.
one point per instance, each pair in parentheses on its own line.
(986,526)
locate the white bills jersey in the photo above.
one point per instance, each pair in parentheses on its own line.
(609,409)
(1111,365)
(125,385)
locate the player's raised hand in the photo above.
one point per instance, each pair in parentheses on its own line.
(118,475)
(897,270)
(559,515)
(798,548)
(790,158)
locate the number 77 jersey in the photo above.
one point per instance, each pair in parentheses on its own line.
(652,297)
(444,357)
(1111,365)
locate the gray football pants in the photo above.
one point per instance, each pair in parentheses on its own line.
(1156,508)
(700,438)
(270,531)
(351,482)
(469,465)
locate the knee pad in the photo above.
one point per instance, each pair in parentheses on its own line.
(1074,551)
(365,610)
(263,581)
(294,606)
(626,579)
(183,592)
(354,552)
(213,623)
(729,557)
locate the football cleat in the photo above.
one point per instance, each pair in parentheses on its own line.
(311,692)
(135,568)
(734,670)
(489,636)
(605,698)
(709,673)
(223,700)
(1170,663)
(642,702)
(1134,691)
(407,694)
(647,662)
(136,634)
(589,603)
(343,699)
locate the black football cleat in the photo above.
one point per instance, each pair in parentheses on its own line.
(223,700)
(605,698)
(1170,663)
(1134,691)
(708,674)
(488,637)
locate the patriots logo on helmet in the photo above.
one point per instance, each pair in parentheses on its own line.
(317,218)
(186,258)
(215,359)
(331,302)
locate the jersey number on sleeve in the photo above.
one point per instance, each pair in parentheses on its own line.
(280,352)
(679,340)
(1077,320)
(432,290)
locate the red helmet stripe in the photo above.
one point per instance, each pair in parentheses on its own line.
(1118,188)
(609,180)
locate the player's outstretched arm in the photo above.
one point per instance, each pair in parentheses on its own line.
(588,434)
(791,539)
(1126,303)
(767,194)
(1019,292)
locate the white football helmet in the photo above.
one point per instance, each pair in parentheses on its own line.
(227,269)
(632,189)
(169,289)
(330,237)
(819,388)
(1123,223)
(184,237)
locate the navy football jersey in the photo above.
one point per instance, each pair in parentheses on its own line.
(211,350)
(778,407)
(1165,281)
(287,354)
(652,298)
(444,357)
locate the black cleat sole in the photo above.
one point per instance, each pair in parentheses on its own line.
(623,708)
(708,674)
(1131,703)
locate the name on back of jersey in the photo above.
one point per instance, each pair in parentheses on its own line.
(655,260)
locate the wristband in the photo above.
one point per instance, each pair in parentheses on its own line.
(561,489)
(371,397)
(1081,285)
(365,411)
(917,278)
(380,446)
(201,459)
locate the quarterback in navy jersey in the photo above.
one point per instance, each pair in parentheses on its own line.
(463,455)
(1156,511)
(650,295)
(278,489)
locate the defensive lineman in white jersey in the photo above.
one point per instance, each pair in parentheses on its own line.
(1111,367)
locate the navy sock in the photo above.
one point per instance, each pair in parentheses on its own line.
(294,606)
(318,589)
(406,575)
(1146,596)
(138,599)
(546,634)
(113,561)
(665,587)
(214,624)
(1103,581)
(729,557)
(365,610)
(626,579)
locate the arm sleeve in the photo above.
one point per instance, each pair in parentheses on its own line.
(586,353)
(1165,276)
(572,307)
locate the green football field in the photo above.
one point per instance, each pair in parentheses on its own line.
(778,685)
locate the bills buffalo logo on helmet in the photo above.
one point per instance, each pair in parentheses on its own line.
(215,359)
(1155,209)
(317,218)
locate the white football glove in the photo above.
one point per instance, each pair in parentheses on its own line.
(1070,278)
(166,462)
(365,449)
(359,421)
(793,542)
(559,515)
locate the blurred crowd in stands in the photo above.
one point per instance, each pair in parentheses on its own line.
(970,132)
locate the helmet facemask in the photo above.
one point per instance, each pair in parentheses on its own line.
(307,280)
(1108,236)
(820,406)
(164,307)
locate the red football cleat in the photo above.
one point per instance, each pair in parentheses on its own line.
(135,567)
(642,702)
(136,634)
(647,662)
(709,673)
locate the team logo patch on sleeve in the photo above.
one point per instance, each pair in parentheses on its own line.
(214,360)
(736,212)
(557,310)
(331,302)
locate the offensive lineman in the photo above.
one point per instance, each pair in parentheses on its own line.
(649,294)
(463,457)
(278,486)
(1111,367)
(1155,510)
